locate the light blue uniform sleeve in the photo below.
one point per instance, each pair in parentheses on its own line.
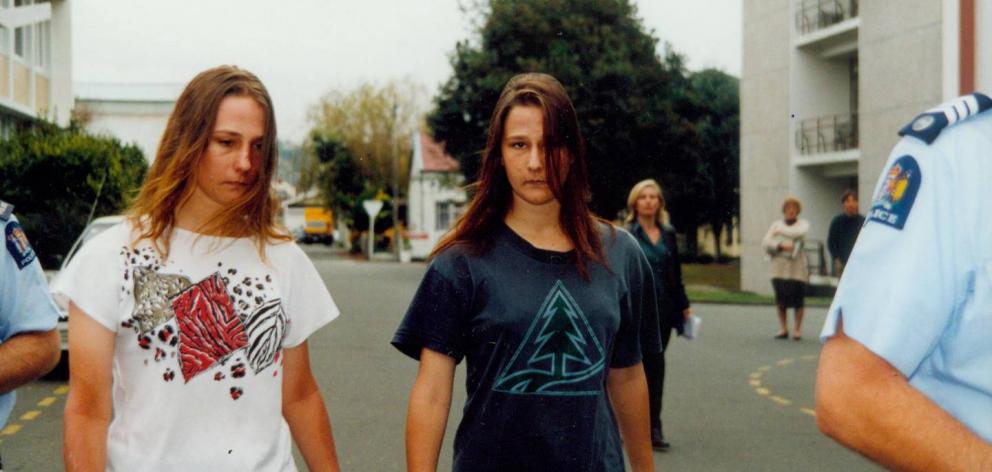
(25,304)
(908,273)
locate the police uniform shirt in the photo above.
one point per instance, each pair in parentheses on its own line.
(25,304)
(917,290)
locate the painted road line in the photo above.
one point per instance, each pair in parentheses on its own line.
(10,430)
(62,390)
(47,401)
(780,400)
(30,415)
(755,381)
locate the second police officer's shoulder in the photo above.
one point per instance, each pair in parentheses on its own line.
(960,112)
(6,212)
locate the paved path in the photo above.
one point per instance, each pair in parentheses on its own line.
(735,400)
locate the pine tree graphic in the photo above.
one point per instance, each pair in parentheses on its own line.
(560,341)
(559,354)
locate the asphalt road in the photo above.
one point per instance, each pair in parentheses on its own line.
(735,399)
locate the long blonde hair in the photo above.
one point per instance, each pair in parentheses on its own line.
(635,193)
(171,180)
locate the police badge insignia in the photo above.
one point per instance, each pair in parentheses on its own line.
(18,245)
(895,198)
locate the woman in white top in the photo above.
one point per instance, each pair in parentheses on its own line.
(790,273)
(188,322)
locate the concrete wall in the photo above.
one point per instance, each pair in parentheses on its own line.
(131,122)
(765,130)
(983,46)
(901,75)
(61,99)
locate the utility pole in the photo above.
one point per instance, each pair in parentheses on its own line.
(397,237)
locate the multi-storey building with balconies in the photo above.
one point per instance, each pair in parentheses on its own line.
(35,61)
(825,86)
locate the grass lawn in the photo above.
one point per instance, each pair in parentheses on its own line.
(721,283)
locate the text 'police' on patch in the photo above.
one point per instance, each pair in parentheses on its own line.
(895,198)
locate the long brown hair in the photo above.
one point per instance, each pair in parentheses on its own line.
(172,178)
(564,149)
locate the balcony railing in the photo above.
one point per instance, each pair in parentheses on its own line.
(827,134)
(812,15)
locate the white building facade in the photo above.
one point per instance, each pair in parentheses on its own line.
(35,61)
(435,198)
(132,113)
(825,86)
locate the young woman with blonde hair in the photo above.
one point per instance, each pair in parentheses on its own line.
(542,299)
(647,220)
(188,322)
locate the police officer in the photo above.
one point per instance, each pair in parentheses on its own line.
(905,375)
(29,342)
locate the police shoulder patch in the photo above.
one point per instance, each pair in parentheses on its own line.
(928,125)
(6,210)
(895,198)
(18,245)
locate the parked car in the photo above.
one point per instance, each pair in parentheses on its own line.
(95,227)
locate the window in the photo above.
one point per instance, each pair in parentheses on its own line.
(443,216)
(22,42)
(447,214)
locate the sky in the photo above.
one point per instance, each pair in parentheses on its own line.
(301,49)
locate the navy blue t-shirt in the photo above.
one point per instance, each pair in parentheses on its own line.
(539,341)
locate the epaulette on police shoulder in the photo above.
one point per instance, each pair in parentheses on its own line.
(928,125)
(6,210)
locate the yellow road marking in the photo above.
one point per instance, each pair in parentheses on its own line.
(786,361)
(780,400)
(11,430)
(30,415)
(47,401)
(808,411)
(62,390)
(755,383)
(755,375)
(763,391)
(764,368)
(811,357)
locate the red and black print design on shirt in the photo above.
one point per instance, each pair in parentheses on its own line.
(208,323)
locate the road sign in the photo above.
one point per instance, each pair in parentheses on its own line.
(372,208)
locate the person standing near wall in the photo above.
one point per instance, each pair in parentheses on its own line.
(844,231)
(790,272)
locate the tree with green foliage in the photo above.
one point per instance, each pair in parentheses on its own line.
(374,123)
(339,179)
(624,92)
(715,197)
(56,176)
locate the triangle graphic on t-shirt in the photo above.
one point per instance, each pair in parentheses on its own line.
(560,354)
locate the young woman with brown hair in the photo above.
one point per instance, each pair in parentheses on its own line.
(188,323)
(545,303)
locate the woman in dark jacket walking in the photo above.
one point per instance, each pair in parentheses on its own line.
(647,220)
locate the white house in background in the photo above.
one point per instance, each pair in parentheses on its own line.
(132,113)
(435,198)
(35,62)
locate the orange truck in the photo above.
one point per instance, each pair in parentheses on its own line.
(318,225)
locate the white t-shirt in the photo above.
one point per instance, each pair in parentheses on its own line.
(197,371)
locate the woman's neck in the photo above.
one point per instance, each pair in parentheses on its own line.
(647,221)
(196,213)
(539,225)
